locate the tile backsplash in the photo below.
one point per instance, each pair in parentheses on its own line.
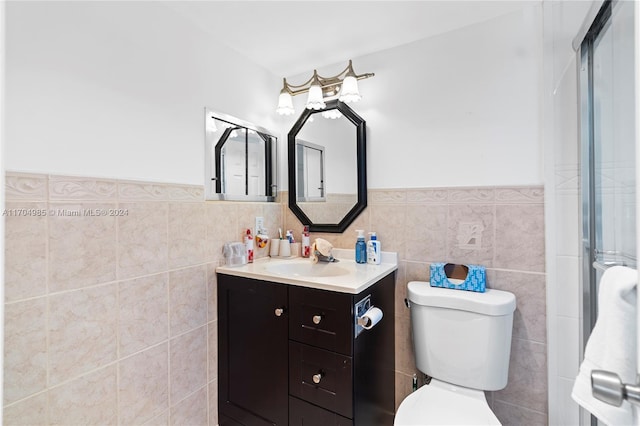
(110,290)
(110,300)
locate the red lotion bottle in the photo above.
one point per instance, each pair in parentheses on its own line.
(306,247)
(248,243)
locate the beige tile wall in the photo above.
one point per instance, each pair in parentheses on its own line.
(112,319)
(430,225)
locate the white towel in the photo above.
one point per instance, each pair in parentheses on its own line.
(612,344)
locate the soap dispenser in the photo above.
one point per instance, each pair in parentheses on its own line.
(373,249)
(361,248)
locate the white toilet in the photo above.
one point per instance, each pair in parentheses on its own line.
(462,339)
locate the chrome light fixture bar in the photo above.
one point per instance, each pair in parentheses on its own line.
(344,84)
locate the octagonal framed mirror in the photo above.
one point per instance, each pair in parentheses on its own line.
(327,167)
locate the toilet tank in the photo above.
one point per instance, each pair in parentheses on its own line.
(462,337)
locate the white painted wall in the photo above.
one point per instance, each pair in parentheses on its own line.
(90,84)
(462,108)
(118,89)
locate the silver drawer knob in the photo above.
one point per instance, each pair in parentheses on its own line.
(279,312)
(317,378)
(317,319)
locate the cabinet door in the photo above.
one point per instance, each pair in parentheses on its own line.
(253,359)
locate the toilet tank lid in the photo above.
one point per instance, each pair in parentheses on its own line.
(492,302)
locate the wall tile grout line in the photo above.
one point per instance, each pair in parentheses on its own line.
(169,345)
(106,283)
(517,406)
(119,310)
(495,234)
(48,305)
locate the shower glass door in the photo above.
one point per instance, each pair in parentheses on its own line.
(608,166)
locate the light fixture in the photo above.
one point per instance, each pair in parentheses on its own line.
(315,99)
(349,92)
(343,84)
(285,101)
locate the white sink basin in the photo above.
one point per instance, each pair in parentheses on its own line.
(307,268)
(345,276)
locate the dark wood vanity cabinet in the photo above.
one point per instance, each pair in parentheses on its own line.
(253,355)
(288,355)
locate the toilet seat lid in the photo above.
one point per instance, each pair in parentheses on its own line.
(441,403)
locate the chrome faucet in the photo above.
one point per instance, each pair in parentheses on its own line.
(321,250)
(322,258)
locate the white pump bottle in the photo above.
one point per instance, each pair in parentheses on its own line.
(373,250)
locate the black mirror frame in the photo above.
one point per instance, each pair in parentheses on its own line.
(361,163)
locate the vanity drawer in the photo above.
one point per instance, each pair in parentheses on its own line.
(301,413)
(321,377)
(321,318)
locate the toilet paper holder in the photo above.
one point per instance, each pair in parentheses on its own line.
(364,322)
(366,316)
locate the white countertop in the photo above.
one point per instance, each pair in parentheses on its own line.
(344,276)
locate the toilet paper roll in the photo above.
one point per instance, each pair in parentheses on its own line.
(370,318)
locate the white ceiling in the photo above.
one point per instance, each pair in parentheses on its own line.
(291,37)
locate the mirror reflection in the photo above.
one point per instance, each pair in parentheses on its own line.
(327,170)
(326,198)
(310,173)
(240,160)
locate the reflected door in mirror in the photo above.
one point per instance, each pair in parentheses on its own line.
(232,164)
(310,176)
(256,164)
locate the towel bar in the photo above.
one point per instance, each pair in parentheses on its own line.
(603,266)
(607,387)
(604,259)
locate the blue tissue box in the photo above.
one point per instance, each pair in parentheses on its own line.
(475,280)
